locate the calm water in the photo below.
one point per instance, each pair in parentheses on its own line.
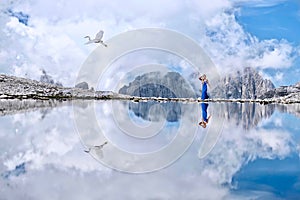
(247,151)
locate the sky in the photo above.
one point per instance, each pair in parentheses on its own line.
(49,35)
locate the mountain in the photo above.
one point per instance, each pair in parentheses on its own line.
(157,84)
(246,84)
(289,92)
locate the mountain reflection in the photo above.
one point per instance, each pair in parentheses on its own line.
(38,148)
(247,115)
(171,110)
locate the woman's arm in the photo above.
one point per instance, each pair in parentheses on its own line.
(207,82)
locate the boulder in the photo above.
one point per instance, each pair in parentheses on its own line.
(82,85)
(45,78)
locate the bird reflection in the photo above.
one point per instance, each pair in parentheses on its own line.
(96,148)
(205,119)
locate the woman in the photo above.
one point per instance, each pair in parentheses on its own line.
(205,82)
(205,119)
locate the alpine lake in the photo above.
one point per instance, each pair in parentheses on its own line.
(149,150)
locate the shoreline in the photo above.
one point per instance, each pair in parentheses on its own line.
(12,87)
(121,97)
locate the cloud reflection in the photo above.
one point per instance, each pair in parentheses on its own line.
(57,167)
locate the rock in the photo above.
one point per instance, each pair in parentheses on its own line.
(45,78)
(281,91)
(287,92)
(268,94)
(82,85)
(292,89)
(3,96)
(59,84)
(19,88)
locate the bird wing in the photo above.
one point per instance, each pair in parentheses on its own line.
(99,35)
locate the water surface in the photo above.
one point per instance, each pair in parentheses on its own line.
(247,151)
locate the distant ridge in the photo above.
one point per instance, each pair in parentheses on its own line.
(246,84)
(156,84)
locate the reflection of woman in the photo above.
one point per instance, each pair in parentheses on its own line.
(205,119)
(205,82)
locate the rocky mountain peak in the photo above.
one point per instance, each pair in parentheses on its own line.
(246,84)
(157,84)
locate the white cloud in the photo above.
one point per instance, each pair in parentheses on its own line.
(237,148)
(276,54)
(56,164)
(231,47)
(43,47)
(54,39)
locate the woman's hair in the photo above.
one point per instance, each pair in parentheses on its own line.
(203,77)
(203,124)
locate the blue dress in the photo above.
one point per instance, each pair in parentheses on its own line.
(204,107)
(204,91)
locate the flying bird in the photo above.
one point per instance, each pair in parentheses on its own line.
(97,39)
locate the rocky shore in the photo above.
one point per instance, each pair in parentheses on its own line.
(284,93)
(12,87)
(20,88)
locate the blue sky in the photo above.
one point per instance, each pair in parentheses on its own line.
(48,35)
(281,21)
